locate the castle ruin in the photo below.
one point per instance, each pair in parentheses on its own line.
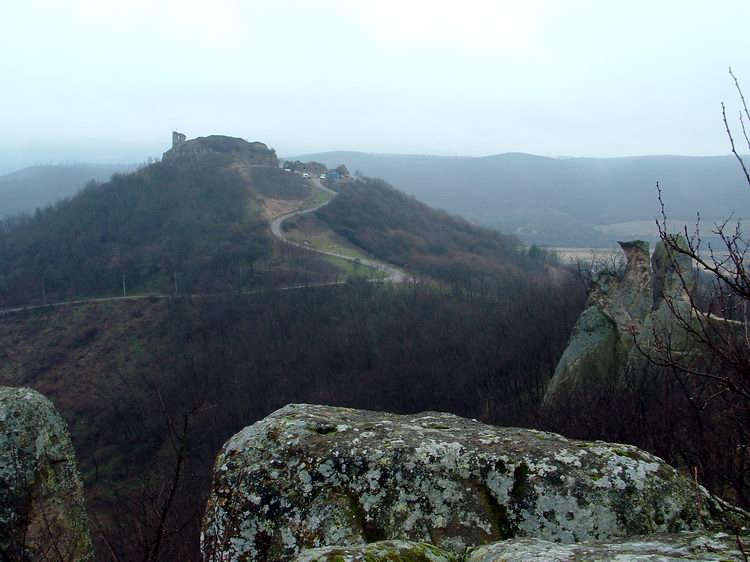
(177,138)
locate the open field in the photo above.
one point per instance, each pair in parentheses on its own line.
(309,230)
(319,197)
(572,254)
(354,270)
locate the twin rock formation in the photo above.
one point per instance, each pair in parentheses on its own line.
(625,313)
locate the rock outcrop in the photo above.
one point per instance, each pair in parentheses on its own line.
(635,307)
(603,336)
(239,151)
(673,272)
(315,476)
(42,516)
(383,551)
(706,547)
(702,547)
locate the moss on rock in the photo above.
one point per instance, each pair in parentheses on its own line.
(41,505)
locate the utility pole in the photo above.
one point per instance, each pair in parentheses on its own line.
(241,281)
(175,281)
(123,285)
(44,292)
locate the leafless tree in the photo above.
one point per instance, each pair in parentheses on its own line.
(706,342)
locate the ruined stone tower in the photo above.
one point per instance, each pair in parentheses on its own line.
(177,138)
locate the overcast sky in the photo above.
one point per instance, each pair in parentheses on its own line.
(97,80)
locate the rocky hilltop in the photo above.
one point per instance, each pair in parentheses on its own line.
(318,476)
(239,150)
(41,496)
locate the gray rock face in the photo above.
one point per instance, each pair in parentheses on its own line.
(621,312)
(602,338)
(41,496)
(241,151)
(662,548)
(314,476)
(705,547)
(383,551)
(673,271)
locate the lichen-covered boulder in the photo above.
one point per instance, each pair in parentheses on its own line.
(311,476)
(708,547)
(41,496)
(602,337)
(383,551)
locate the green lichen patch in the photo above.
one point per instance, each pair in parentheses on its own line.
(628,454)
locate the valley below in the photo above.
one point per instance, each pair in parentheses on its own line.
(173,310)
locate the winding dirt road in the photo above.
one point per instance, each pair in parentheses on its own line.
(394,274)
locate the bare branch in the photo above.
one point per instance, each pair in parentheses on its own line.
(744,105)
(731,142)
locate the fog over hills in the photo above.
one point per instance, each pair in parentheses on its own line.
(37,186)
(563,201)
(560,202)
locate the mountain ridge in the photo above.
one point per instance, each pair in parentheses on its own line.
(29,188)
(589,202)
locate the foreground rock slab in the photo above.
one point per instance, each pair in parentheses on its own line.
(705,547)
(41,496)
(313,476)
(661,548)
(384,551)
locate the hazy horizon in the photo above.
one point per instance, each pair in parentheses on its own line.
(132,155)
(135,158)
(108,82)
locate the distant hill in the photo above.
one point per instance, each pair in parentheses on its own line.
(37,186)
(185,224)
(562,202)
(198,222)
